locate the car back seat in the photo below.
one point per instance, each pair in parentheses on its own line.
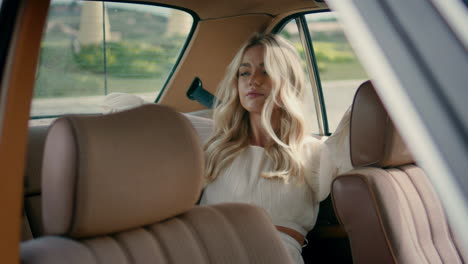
(32,223)
(121,188)
(387,205)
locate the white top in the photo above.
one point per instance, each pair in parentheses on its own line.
(290,205)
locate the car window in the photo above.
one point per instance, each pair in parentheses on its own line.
(339,69)
(291,32)
(90,49)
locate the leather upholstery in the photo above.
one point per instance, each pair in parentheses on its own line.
(121,188)
(394,216)
(215,234)
(361,230)
(373,139)
(391,212)
(97,167)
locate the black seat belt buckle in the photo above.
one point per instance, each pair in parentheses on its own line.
(197,93)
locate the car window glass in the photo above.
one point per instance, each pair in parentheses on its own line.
(339,69)
(291,33)
(90,49)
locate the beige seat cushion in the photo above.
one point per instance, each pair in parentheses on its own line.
(228,233)
(394,216)
(388,207)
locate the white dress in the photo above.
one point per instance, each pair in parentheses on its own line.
(290,205)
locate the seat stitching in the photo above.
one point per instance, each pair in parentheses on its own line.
(186,223)
(409,223)
(457,249)
(196,236)
(425,210)
(153,236)
(231,226)
(91,249)
(445,226)
(124,249)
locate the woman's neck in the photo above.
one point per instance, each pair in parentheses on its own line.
(258,135)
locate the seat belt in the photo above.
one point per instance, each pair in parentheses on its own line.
(197,93)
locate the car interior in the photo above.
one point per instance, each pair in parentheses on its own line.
(327,241)
(103,182)
(149,217)
(387,205)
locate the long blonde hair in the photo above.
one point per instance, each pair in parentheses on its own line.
(231,133)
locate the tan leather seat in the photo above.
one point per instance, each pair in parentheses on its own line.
(388,206)
(121,188)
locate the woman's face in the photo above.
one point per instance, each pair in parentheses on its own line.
(254,84)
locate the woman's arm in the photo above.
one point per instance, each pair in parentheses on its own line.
(328,158)
(338,146)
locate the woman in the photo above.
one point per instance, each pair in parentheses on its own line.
(257,150)
(256,147)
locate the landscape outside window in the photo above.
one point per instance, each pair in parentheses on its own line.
(339,70)
(91,49)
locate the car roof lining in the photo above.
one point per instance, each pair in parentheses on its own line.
(213,9)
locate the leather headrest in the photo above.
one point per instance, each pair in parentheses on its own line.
(374,141)
(105,174)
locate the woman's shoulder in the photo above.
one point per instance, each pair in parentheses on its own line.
(327,157)
(312,146)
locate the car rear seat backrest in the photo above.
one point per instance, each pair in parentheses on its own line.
(32,224)
(388,206)
(121,188)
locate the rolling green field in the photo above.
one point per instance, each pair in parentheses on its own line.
(139,60)
(335,59)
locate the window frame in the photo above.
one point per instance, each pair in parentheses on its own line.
(8,14)
(16,85)
(320,105)
(195,19)
(404,78)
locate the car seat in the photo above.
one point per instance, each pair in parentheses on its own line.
(122,188)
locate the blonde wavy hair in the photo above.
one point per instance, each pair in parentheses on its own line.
(231,133)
